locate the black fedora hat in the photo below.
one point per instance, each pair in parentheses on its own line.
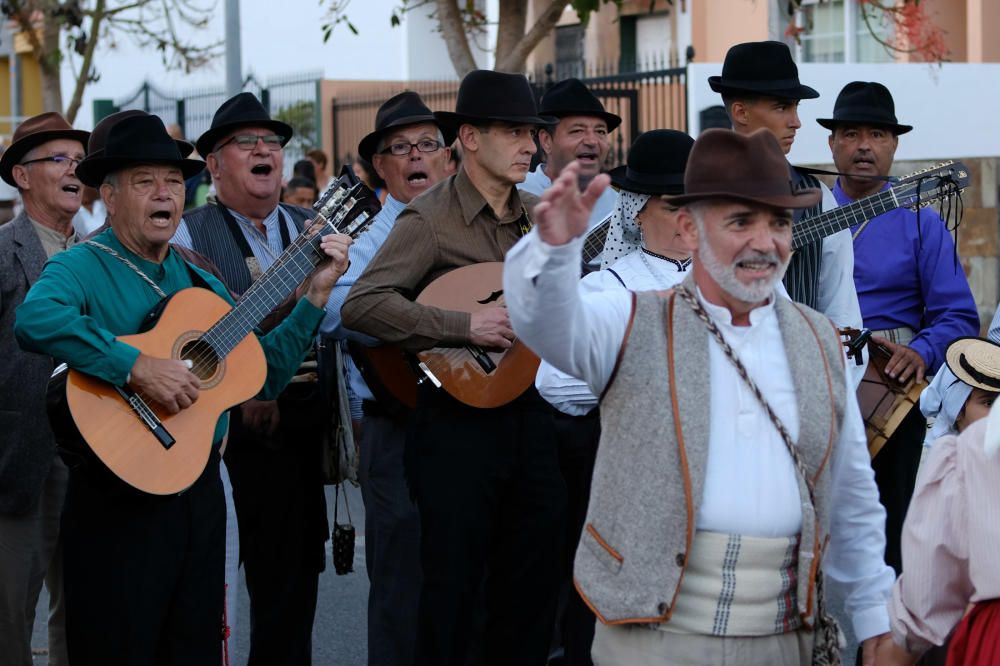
(727,165)
(135,140)
(34,132)
(570,97)
(406,108)
(99,136)
(242,110)
(761,68)
(865,103)
(487,96)
(655,164)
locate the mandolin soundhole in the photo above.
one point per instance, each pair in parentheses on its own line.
(204,360)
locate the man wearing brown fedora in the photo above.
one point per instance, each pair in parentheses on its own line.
(275,444)
(913,292)
(760,89)
(732,476)
(41,163)
(486,481)
(582,134)
(144,573)
(409,150)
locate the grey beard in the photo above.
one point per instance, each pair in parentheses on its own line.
(725,276)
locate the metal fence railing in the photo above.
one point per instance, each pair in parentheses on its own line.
(644,98)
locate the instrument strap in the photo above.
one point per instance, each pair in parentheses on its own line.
(138,271)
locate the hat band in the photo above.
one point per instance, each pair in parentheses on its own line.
(759,84)
(978,376)
(861,113)
(751,189)
(654,178)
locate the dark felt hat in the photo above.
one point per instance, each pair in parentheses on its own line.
(136,140)
(761,68)
(99,136)
(487,96)
(655,164)
(865,103)
(406,108)
(752,168)
(34,132)
(242,110)
(570,97)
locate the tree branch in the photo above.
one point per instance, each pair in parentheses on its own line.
(547,19)
(453,31)
(85,74)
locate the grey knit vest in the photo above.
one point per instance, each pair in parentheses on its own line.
(211,237)
(650,470)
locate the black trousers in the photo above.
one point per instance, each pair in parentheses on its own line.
(896,475)
(577,438)
(392,541)
(491,503)
(281,510)
(144,574)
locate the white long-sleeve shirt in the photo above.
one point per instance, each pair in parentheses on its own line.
(750,484)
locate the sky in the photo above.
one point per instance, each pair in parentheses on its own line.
(274,43)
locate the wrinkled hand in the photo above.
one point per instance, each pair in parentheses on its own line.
(904,363)
(490,327)
(886,653)
(261,416)
(168,382)
(564,212)
(335,246)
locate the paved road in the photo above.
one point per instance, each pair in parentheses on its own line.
(340,629)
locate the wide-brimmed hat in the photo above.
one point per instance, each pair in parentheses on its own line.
(726,165)
(976,362)
(570,97)
(865,103)
(487,96)
(655,164)
(136,140)
(406,108)
(34,132)
(99,136)
(761,68)
(242,110)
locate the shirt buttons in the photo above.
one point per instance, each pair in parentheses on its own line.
(679,559)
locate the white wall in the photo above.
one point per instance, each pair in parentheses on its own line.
(953,108)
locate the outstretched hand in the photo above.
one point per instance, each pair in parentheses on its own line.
(564,211)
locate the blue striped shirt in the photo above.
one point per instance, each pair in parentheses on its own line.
(362,252)
(267,248)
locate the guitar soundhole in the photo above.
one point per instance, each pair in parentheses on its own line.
(205,362)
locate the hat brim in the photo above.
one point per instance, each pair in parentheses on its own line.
(453,120)
(367,145)
(673,184)
(805,198)
(779,90)
(979,354)
(206,142)
(832,123)
(96,167)
(612,120)
(19,149)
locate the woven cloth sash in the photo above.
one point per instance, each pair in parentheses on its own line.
(901,336)
(737,585)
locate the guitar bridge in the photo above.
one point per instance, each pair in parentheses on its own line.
(482,358)
(147,416)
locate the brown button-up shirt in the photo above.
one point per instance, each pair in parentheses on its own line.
(447,227)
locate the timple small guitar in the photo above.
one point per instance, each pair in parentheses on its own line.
(162,453)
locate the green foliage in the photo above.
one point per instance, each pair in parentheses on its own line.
(302,117)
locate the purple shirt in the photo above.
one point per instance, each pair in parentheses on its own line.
(906,278)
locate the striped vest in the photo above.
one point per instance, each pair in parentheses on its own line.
(802,277)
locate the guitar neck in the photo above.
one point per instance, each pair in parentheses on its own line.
(593,243)
(284,275)
(811,229)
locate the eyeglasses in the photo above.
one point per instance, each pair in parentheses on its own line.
(404,148)
(249,141)
(64,161)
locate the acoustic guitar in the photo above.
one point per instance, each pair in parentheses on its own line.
(161,453)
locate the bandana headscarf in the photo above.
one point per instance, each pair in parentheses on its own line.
(943,399)
(624,235)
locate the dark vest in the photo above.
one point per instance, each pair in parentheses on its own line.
(211,237)
(802,277)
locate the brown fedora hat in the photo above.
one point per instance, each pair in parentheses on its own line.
(726,165)
(34,132)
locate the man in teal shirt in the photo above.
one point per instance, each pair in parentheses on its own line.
(144,573)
